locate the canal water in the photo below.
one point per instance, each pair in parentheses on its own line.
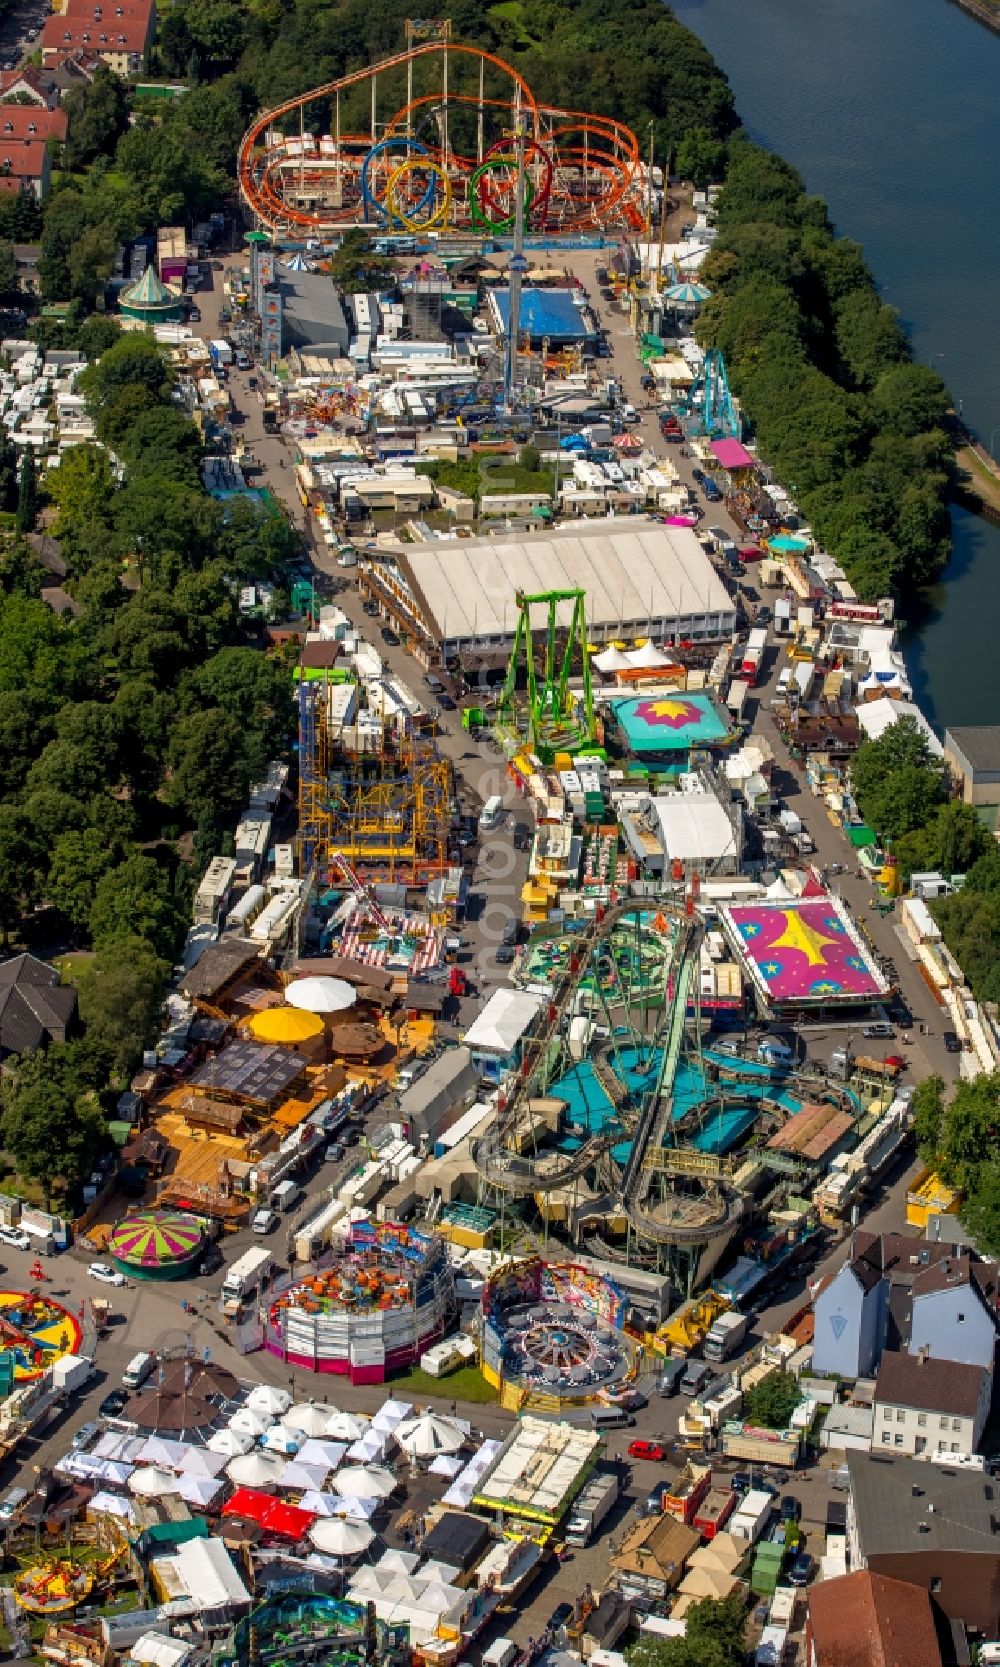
(888,108)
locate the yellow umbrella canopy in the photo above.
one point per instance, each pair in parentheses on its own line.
(285,1024)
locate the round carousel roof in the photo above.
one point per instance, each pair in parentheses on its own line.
(155,1239)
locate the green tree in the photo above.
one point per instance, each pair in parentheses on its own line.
(134,899)
(49,1120)
(207,762)
(27,493)
(97,114)
(927,1106)
(700,157)
(9,284)
(714,1636)
(134,360)
(121,993)
(79,860)
(771,1402)
(356,268)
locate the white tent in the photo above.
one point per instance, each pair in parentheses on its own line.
(307,1418)
(255,1470)
(370,1447)
(321,1504)
(230,1443)
(321,995)
(428,1435)
(201,1461)
(150,1482)
(156,1449)
(329,1453)
(114,1445)
(398,1562)
(341,1539)
(200,1490)
(347,1426)
(299,1475)
(445,1466)
(248,1422)
(357,1482)
(648,656)
(113,1505)
(268,1401)
(612,659)
(279,1440)
(391,1413)
(359,1509)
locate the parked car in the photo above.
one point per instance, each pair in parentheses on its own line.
(791,1508)
(389,636)
(446,703)
(265,1221)
(559,1616)
(113,1405)
(647,1450)
(16,1237)
(106,1274)
(370,609)
(85,1435)
(505,955)
(951,1041)
(801,1570)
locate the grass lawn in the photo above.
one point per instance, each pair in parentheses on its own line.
(466,1383)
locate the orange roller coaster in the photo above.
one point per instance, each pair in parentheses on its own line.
(419,164)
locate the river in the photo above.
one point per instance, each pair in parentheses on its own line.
(888,108)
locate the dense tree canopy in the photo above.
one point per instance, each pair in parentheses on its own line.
(959,1138)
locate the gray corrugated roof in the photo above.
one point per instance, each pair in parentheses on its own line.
(891,1517)
(978,743)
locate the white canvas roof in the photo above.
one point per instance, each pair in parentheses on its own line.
(876,716)
(639,576)
(503,1021)
(694,827)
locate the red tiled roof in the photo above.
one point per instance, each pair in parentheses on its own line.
(870,1620)
(29,121)
(111,34)
(26,159)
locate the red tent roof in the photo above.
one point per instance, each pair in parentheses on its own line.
(288,1520)
(731,454)
(248,1502)
(273,1515)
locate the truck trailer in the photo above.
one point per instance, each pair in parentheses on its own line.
(591,1507)
(725,1335)
(246,1276)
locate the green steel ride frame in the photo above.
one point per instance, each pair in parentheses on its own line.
(554,722)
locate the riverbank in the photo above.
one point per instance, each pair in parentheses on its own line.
(978,487)
(984,11)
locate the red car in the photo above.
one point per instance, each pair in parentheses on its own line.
(894,1062)
(647,1450)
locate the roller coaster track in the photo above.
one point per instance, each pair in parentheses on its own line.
(609,150)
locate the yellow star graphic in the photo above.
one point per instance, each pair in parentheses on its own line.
(798,934)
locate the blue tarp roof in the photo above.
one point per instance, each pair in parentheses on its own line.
(550,313)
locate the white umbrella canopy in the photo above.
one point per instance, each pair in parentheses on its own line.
(347,1426)
(255,1470)
(357,1482)
(612,659)
(321,995)
(157,1449)
(230,1443)
(341,1539)
(150,1482)
(370,1447)
(428,1435)
(391,1413)
(251,1423)
(269,1401)
(279,1440)
(307,1418)
(360,1509)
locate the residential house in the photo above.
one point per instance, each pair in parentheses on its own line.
(120,34)
(29,85)
(895,1292)
(25,132)
(870,1620)
(923,1405)
(654,1556)
(932,1526)
(35,1009)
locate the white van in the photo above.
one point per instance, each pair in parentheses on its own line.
(286,1196)
(138,1370)
(491,814)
